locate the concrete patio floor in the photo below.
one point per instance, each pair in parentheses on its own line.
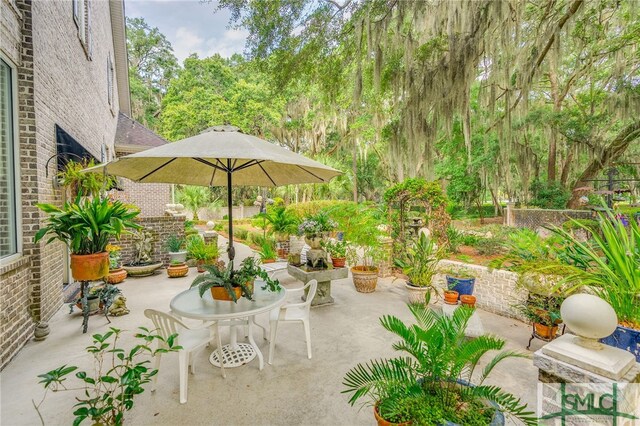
(293,391)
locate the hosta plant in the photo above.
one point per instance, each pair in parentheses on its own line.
(431,382)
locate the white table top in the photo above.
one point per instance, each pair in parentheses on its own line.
(189,304)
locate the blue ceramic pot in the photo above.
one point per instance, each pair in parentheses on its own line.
(625,338)
(461,285)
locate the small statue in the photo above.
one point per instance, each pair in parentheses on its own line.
(144,247)
(119,307)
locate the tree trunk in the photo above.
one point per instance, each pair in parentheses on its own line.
(354,166)
(613,151)
(553,140)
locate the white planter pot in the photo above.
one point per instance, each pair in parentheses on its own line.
(178,256)
(417,294)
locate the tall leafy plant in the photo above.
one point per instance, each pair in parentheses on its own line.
(361,224)
(282,222)
(437,358)
(86,225)
(613,269)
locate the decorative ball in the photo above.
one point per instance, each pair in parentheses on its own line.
(211,224)
(588,316)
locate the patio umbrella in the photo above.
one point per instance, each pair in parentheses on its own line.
(219,156)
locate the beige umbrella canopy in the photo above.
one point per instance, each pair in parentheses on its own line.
(219,156)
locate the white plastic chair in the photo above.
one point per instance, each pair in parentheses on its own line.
(293,312)
(191,340)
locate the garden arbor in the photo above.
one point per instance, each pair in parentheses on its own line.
(427,200)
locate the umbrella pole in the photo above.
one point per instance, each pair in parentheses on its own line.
(230,250)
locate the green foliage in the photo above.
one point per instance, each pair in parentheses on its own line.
(229,278)
(86,225)
(549,195)
(420,262)
(194,198)
(416,189)
(240,233)
(336,249)
(436,357)
(85,184)
(317,225)
(541,309)
(282,221)
(613,268)
(310,208)
(119,375)
(175,243)
(268,251)
(197,249)
(489,246)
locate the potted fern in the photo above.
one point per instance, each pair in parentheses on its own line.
(431,382)
(201,252)
(268,252)
(227,283)
(283,224)
(86,226)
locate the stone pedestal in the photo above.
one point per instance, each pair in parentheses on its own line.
(210,237)
(573,385)
(324,277)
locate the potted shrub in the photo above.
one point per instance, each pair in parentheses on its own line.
(431,383)
(419,263)
(544,313)
(177,269)
(116,273)
(143,264)
(460,279)
(282,223)
(338,252)
(231,284)
(86,226)
(610,267)
(267,252)
(176,248)
(204,254)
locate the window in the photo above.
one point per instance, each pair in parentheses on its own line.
(82,18)
(109,80)
(8,201)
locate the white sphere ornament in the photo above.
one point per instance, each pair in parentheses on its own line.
(589,317)
(211,224)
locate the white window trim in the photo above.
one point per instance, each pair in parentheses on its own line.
(16,158)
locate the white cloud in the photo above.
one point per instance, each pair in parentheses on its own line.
(231,41)
(186,42)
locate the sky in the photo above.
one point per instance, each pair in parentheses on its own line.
(191,26)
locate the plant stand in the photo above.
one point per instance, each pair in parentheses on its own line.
(535,335)
(84,303)
(324,277)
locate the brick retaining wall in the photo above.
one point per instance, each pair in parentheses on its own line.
(495,290)
(160,227)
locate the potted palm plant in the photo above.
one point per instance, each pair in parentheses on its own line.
(431,383)
(283,224)
(86,226)
(231,284)
(176,248)
(420,264)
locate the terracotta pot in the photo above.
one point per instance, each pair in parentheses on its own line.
(177,271)
(338,262)
(365,278)
(545,331)
(383,422)
(451,297)
(220,293)
(268,260)
(468,300)
(116,276)
(90,267)
(201,263)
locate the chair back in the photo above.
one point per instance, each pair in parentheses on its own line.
(313,287)
(165,323)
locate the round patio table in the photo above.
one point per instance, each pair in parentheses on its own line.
(189,304)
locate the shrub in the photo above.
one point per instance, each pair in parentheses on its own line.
(549,195)
(489,246)
(312,208)
(241,233)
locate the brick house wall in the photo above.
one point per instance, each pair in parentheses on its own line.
(160,227)
(58,83)
(151,198)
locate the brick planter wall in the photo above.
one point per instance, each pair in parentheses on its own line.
(160,227)
(495,290)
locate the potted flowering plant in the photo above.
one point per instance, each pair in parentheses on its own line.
(316,228)
(117,274)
